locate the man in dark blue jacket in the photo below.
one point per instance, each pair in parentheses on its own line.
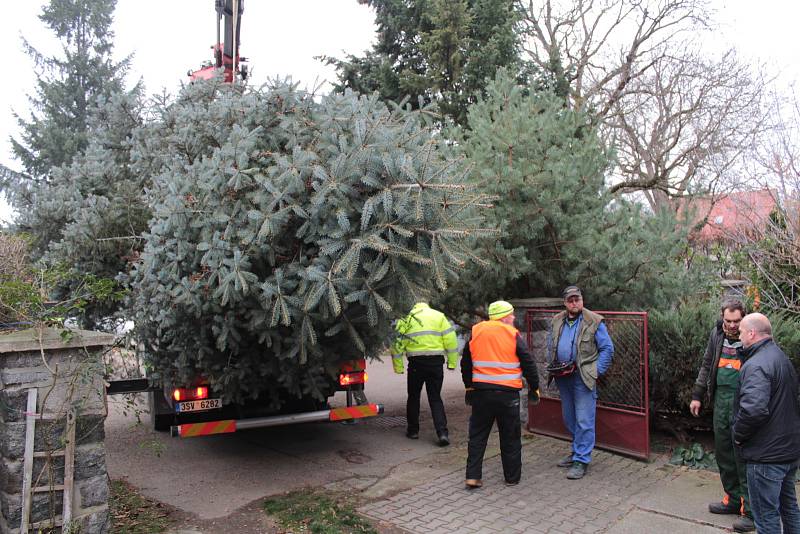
(766,427)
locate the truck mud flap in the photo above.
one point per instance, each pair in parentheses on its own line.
(232,425)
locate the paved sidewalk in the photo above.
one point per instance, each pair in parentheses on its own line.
(618,496)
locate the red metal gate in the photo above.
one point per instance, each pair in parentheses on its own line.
(623,411)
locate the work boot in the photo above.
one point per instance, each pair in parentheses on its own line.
(444,439)
(473,483)
(577,471)
(412,434)
(724,507)
(566,461)
(744,524)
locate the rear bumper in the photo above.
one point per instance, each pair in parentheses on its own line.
(228,426)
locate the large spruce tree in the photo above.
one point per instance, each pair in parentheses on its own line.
(288,233)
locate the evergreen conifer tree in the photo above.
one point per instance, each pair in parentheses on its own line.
(94,211)
(288,233)
(69,88)
(544,164)
(435,51)
(70,84)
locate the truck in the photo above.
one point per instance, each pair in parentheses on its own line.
(191,410)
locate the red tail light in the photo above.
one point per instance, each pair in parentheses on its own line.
(187,394)
(347,379)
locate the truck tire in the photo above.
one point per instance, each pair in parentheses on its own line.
(161,417)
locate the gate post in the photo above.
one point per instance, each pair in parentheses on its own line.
(67,376)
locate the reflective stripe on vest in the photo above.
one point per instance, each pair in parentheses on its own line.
(430,333)
(494,354)
(413,353)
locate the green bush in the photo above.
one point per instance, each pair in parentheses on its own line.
(27,295)
(786,332)
(678,340)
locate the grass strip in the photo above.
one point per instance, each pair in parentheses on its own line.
(315,512)
(132,513)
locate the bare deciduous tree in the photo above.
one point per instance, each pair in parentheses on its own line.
(678,119)
(602,45)
(13,257)
(777,155)
(773,252)
(684,125)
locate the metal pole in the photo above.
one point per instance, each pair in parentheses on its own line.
(277,420)
(235,40)
(218,46)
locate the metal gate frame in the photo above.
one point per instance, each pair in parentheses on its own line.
(623,413)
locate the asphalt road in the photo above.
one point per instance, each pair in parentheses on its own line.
(212,477)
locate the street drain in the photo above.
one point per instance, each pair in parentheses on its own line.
(393,421)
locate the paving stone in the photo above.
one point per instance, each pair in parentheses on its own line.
(544,501)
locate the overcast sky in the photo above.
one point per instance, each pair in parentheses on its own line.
(281,37)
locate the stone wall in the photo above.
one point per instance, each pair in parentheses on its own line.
(67,373)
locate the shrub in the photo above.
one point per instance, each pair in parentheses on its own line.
(678,339)
(27,290)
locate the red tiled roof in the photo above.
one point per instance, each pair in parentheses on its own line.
(731,214)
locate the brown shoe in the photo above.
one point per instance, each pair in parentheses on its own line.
(473,483)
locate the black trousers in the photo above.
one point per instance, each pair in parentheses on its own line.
(489,406)
(427,371)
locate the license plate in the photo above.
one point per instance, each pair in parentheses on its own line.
(198,405)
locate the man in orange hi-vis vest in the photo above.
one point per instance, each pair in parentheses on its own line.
(492,366)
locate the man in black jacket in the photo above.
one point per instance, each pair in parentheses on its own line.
(766,427)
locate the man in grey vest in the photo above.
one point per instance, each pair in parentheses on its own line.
(579,337)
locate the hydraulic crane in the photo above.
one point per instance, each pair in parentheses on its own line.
(226,53)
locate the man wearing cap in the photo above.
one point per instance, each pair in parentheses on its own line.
(579,336)
(492,366)
(426,338)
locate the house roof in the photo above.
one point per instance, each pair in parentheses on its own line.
(727,216)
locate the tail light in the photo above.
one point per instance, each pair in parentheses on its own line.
(353,372)
(189,394)
(348,379)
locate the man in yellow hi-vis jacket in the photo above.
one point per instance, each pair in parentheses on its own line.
(425,337)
